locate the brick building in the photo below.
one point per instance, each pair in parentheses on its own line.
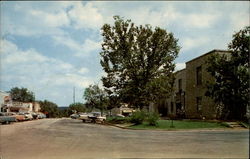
(189,90)
(176,103)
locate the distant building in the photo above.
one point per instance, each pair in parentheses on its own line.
(188,98)
(7,105)
(23,107)
(123,109)
(4,99)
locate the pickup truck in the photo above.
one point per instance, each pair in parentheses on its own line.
(6,119)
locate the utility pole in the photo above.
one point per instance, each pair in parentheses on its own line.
(74,95)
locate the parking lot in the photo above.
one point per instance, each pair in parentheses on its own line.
(70,138)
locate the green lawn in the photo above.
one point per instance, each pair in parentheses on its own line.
(178,124)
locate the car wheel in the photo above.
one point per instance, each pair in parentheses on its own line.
(83,120)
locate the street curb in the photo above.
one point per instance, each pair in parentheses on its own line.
(122,127)
(205,129)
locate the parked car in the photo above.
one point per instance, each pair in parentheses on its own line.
(99,116)
(41,115)
(20,117)
(28,116)
(34,115)
(92,117)
(85,117)
(16,115)
(74,116)
(6,119)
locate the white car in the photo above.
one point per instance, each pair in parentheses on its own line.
(92,117)
(28,116)
(85,117)
(74,116)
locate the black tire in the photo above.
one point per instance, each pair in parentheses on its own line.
(83,120)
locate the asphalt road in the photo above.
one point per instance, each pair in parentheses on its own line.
(72,139)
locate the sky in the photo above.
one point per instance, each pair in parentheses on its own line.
(51,47)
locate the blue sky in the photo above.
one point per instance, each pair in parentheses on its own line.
(51,47)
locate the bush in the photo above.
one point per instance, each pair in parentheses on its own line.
(118,120)
(153,118)
(138,117)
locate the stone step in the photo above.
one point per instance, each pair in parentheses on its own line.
(235,125)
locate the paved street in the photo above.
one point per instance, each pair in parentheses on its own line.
(68,138)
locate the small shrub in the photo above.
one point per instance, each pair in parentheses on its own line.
(119,120)
(138,117)
(153,118)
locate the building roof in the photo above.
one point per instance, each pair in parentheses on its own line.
(210,52)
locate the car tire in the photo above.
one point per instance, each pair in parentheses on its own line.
(83,120)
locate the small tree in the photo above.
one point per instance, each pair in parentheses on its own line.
(49,108)
(78,107)
(112,102)
(138,117)
(152,118)
(22,95)
(96,98)
(230,90)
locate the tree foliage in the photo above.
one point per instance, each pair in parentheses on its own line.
(78,107)
(138,61)
(231,87)
(49,108)
(95,97)
(22,95)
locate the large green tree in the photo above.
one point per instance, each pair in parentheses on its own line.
(231,86)
(22,95)
(138,61)
(95,97)
(49,108)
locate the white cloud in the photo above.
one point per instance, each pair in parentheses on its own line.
(34,22)
(163,14)
(191,43)
(198,20)
(85,16)
(31,69)
(51,19)
(83,70)
(239,20)
(80,50)
(179,66)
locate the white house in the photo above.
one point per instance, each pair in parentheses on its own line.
(3,97)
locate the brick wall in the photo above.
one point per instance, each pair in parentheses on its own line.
(197,104)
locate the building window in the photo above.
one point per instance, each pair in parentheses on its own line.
(180,84)
(198,103)
(198,76)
